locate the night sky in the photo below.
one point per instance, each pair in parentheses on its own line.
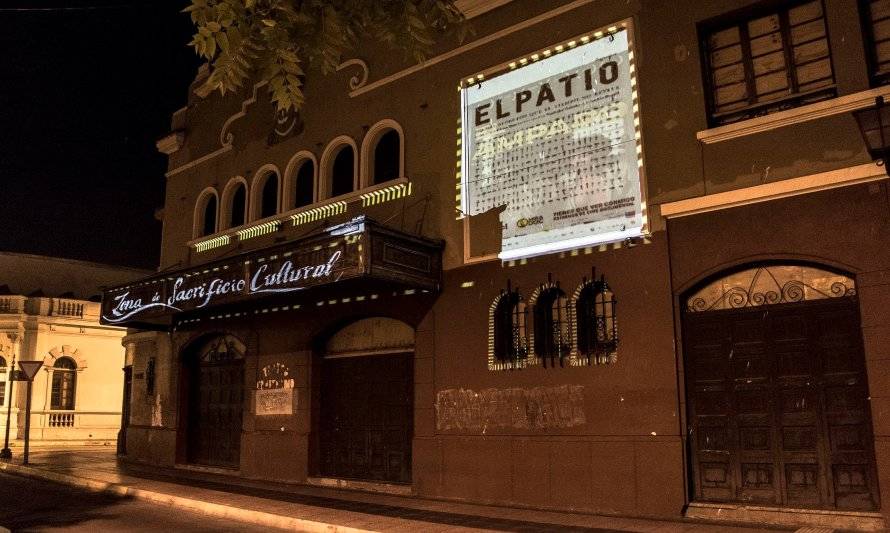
(84,95)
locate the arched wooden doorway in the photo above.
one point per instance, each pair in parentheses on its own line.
(776,389)
(367,402)
(213,370)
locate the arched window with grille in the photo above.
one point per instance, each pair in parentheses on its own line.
(596,325)
(508,343)
(64,384)
(552,325)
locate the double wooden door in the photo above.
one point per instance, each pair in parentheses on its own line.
(778,406)
(366,422)
(216,397)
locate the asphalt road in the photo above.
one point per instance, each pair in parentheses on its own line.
(34,505)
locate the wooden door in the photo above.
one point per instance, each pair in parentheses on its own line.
(216,397)
(778,406)
(366,422)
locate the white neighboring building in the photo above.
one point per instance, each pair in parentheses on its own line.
(49,311)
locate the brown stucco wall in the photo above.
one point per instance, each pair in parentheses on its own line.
(846,228)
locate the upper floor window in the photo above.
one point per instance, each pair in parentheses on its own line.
(304,184)
(341,171)
(771,60)
(508,343)
(236,205)
(383,156)
(876,26)
(206,214)
(64,384)
(266,189)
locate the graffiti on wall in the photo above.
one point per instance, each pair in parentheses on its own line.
(536,408)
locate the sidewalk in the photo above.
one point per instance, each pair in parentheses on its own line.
(309,508)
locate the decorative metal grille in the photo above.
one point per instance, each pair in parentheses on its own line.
(222,349)
(770,285)
(508,343)
(551,335)
(596,338)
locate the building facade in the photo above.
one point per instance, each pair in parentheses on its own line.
(335,309)
(49,312)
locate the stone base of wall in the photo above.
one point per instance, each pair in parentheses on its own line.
(152,445)
(786,517)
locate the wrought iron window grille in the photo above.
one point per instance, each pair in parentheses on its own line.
(597,321)
(509,345)
(552,336)
(770,285)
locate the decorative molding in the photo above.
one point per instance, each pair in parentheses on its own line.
(171,143)
(471,46)
(474,8)
(773,191)
(357,81)
(797,115)
(65,351)
(226,138)
(196,162)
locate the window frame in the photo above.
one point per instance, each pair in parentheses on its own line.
(228,197)
(369,147)
(257,190)
(868,42)
(740,18)
(60,374)
(326,168)
(200,213)
(292,172)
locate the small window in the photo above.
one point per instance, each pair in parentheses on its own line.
(387,157)
(768,61)
(209,226)
(269,196)
(238,206)
(508,344)
(876,28)
(343,171)
(305,184)
(64,385)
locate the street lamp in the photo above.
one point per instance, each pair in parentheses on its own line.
(6,453)
(874,125)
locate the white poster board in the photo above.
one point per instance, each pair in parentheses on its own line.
(556,143)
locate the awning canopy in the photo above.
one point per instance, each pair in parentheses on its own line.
(357,250)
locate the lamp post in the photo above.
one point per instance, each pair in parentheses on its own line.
(874,125)
(6,453)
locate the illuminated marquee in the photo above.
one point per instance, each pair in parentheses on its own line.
(554,142)
(355,249)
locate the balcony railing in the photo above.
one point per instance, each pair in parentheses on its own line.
(12,304)
(61,420)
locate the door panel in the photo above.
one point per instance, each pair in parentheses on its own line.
(367,417)
(215,411)
(778,409)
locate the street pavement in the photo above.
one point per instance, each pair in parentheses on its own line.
(126,496)
(28,505)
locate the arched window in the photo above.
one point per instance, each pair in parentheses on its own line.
(343,171)
(304,184)
(386,157)
(508,345)
(268,196)
(383,153)
(205,213)
(238,206)
(209,226)
(596,323)
(64,384)
(552,336)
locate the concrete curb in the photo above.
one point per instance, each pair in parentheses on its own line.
(209,508)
